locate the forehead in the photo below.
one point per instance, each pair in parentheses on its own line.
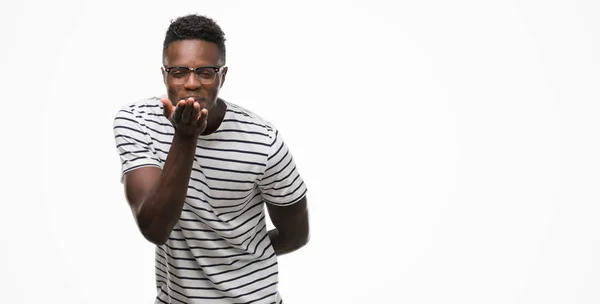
(192,53)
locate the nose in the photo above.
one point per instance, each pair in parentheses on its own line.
(192,82)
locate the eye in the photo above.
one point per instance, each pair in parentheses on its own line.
(178,72)
(206,73)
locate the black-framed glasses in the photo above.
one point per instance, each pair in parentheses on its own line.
(180,74)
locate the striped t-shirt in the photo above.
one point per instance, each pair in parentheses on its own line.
(219,251)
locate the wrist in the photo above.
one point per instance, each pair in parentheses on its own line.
(185,138)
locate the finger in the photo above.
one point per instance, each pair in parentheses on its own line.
(167,106)
(202,120)
(187,111)
(195,112)
(203,115)
(179,111)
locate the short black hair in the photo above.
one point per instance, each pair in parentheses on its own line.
(195,26)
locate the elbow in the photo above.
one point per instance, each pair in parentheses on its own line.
(305,237)
(302,238)
(305,241)
(301,241)
(151,232)
(155,238)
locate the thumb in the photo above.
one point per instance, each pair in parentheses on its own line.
(168,108)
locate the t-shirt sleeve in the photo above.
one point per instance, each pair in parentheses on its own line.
(281,183)
(132,142)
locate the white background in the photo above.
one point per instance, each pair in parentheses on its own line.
(451,148)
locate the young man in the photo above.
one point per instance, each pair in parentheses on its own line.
(198,171)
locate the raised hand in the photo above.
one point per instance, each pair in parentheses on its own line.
(186,117)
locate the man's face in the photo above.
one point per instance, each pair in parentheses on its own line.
(193,54)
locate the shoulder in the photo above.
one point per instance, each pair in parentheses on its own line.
(142,106)
(136,117)
(140,110)
(249,119)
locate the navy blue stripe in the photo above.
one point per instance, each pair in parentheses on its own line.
(264,188)
(258,260)
(131,129)
(242,210)
(133,138)
(125,111)
(218,264)
(239,112)
(133,159)
(269,295)
(168,125)
(220,239)
(245,122)
(225,281)
(258,203)
(221,229)
(139,166)
(127,119)
(277,152)
(247,265)
(131,152)
(281,170)
(232,150)
(229,289)
(293,170)
(243,206)
(219,189)
(229,160)
(151,114)
(161,133)
(241,131)
(229,170)
(277,164)
(220,297)
(223,237)
(299,197)
(214,256)
(238,141)
(161,270)
(145,106)
(206,202)
(228,180)
(217,198)
(125,144)
(284,195)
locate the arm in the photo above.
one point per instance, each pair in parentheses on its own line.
(284,193)
(291,226)
(156,198)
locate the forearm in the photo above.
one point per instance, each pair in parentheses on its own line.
(291,226)
(161,209)
(283,244)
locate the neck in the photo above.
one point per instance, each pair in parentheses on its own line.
(215,117)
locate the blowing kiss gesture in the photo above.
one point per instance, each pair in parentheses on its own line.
(186,117)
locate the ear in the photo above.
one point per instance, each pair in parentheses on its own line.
(223,74)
